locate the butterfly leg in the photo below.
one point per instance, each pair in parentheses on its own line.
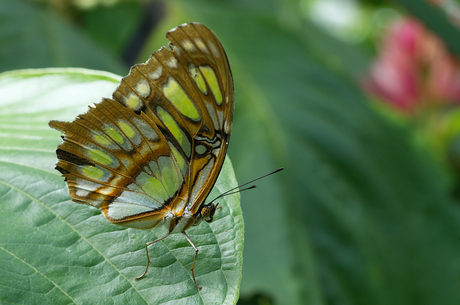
(194,260)
(147,253)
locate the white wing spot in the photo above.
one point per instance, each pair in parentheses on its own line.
(214,49)
(143,88)
(81,193)
(201,45)
(188,45)
(228,126)
(133,101)
(172,62)
(156,74)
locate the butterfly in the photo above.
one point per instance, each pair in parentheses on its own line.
(150,155)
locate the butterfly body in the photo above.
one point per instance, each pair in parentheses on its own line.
(150,155)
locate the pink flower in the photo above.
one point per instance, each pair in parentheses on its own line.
(414,69)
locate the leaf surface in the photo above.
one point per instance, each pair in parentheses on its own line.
(56,251)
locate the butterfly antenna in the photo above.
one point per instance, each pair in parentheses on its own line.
(238,189)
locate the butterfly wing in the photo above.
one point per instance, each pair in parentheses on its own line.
(158,146)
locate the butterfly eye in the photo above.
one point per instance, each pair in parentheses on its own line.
(208,211)
(205,212)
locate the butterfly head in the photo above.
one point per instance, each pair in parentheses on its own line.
(208,210)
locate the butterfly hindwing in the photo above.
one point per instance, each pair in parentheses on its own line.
(158,146)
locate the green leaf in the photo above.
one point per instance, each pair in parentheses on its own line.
(54,251)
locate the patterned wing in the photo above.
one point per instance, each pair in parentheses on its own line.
(157,147)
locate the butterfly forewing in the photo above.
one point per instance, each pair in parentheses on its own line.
(210,76)
(158,146)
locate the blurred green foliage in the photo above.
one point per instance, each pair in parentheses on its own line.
(363,213)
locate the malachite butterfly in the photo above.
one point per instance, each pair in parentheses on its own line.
(150,155)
